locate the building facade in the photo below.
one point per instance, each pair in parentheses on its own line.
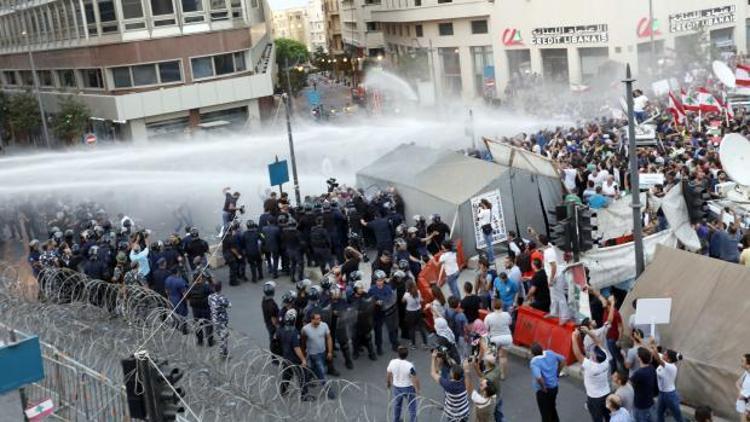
(362,37)
(316,26)
(291,23)
(145,68)
(333,27)
(475,46)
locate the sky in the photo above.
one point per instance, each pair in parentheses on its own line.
(285,4)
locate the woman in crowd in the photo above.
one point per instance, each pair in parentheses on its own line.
(413,319)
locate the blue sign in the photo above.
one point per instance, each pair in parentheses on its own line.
(278,173)
(21,363)
(313,97)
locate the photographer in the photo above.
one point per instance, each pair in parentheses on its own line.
(445,345)
(455,384)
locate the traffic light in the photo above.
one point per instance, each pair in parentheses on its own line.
(561,232)
(136,394)
(696,198)
(166,401)
(585,229)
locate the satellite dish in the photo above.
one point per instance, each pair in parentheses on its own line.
(724,74)
(734,154)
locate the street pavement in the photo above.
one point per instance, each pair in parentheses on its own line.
(519,403)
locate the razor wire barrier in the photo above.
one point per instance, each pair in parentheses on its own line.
(98,323)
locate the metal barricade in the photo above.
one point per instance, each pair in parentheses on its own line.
(78,392)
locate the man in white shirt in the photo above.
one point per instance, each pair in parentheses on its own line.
(640,102)
(610,188)
(558,288)
(595,367)
(402,376)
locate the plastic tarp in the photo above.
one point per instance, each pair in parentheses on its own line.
(675,210)
(616,219)
(710,322)
(615,264)
(520,158)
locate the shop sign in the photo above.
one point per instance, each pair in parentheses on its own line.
(697,19)
(578,34)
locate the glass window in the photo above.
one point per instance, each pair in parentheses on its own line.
(92,78)
(45,77)
(192,6)
(170,72)
(417,3)
(445,28)
(132,9)
(202,67)
(445,1)
(27,78)
(107,11)
(479,27)
(121,77)
(223,64)
(144,74)
(239,62)
(10,77)
(67,78)
(218,5)
(418,30)
(162,7)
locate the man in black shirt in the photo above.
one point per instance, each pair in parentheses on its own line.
(230,207)
(644,386)
(538,295)
(232,256)
(195,246)
(439,232)
(294,364)
(270,308)
(470,303)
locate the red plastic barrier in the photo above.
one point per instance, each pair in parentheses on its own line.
(430,274)
(531,326)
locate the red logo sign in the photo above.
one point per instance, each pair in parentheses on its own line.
(90,139)
(646,26)
(512,37)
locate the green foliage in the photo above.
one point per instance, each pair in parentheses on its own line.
(70,122)
(320,59)
(4,102)
(294,54)
(23,114)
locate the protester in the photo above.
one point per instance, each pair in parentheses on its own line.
(666,377)
(498,323)
(595,368)
(316,337)
(617,413)
(644,383)
(455,385)
(402,378)
(449,267)
(545,369)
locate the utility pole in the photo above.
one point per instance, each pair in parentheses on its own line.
(634,182)
(651,35)
(288,86)
(42,114)
(287,99)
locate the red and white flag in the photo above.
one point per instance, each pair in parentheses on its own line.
(742,75)
(689,102)
(726,107)
(676,108)
(707,102)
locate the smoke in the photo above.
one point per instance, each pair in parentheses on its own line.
(149,181)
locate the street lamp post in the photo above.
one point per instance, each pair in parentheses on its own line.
(651,34)
(287,99)
(634,177)
(36,88)
(288,85)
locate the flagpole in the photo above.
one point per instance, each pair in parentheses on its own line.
(726,109)
(700,119)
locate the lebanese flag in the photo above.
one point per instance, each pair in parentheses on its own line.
(726,107)
(38,411)
(707,102)
(675,107)
(742,74)
(689,102)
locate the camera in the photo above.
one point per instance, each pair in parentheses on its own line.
(332,184)
(241,209)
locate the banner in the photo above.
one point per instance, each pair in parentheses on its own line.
(697,19)
(579,34)
(499,232)
(578,298)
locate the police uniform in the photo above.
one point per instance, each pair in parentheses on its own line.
(219,305)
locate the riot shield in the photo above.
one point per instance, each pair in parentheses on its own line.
(346,321)
(390,309)
(365,314)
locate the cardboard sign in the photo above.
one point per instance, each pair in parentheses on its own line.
(499,232)
(653,311)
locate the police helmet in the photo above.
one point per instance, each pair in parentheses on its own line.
(75,248)
(359,284)
(313,293)
(326,206)
(94,251)
(58,235)
(269,288)
(400,243)
(399,275)
(194,232)
(326,282)
(379,275)
(403,264)
(99,230)
(335,291)
(34,243)
(290,317)
(355,275)
(289,297)
(68,233)
(418,218)
(283,219)
(303,285)
(52,230)
(155,246)
(435,218)
(251,224)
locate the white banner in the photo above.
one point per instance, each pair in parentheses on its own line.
(616,264)
(675,210)
(499,233)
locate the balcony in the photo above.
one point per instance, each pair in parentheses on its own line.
(359,39)
(431,10)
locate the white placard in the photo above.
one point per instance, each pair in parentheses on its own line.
(646,180)
(499,233)
(653,311)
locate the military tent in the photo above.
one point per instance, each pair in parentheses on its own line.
(444,182)
(709,322)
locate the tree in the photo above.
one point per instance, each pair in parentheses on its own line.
(291,53)
(70,122)
(4,119)
(321,59)
(23,115)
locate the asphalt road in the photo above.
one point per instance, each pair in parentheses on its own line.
(519,402)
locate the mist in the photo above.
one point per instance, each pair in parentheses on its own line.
(148,181)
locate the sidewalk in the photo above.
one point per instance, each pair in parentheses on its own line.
(10,407)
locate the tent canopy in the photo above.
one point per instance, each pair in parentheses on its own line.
(710,322)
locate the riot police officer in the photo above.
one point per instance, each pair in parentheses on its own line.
(320,242)
(291,241)
(272,246)
(198,301)
(252,242)
(94,268)
(231,256)
(385,308)
(343,319)
(195,246)
(439,231)
(295,363)
(270,309)
(363,329)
